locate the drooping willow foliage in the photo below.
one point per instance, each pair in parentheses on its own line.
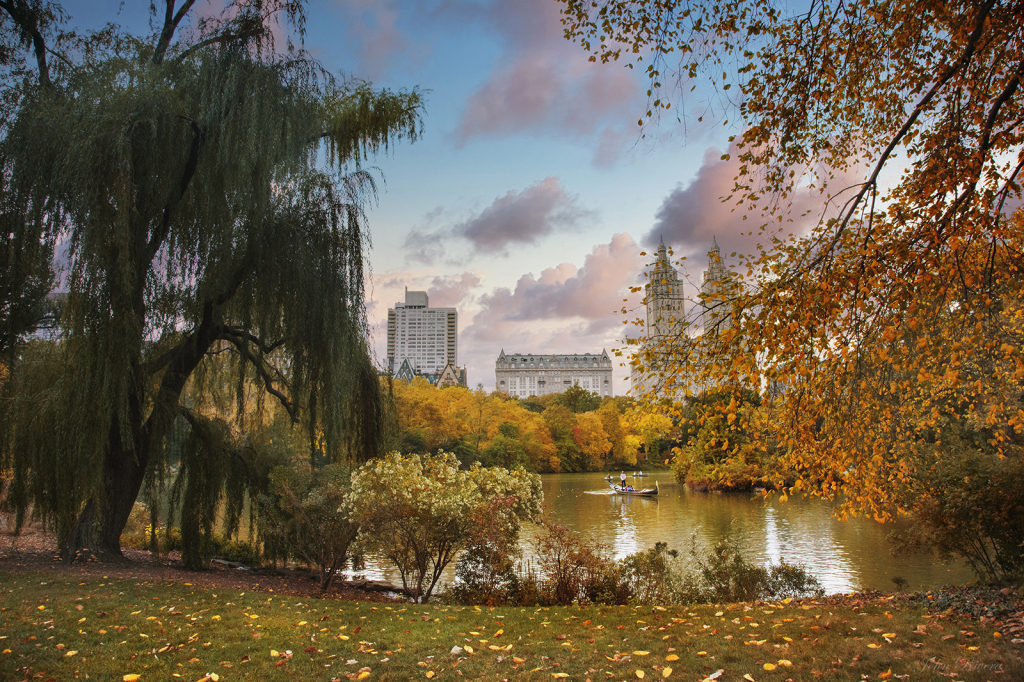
(207,196)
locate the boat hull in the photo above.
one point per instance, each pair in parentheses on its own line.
(646,492)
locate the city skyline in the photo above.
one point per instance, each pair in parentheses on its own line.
(532,194)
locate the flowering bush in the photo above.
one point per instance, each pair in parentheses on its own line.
(421,511)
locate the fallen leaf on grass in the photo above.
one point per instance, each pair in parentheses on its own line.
(131,677)
(874,646)
(640,674)
(559,675)
(641,653)
(430,673)
(890,635)
(71,653)
(516,659)
(671,657)
(886,675)
(748,677)
(785,662)
(769,666)
(665,672)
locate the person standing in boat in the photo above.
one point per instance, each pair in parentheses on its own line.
(622,477)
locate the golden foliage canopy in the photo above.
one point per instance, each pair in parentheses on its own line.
(899,314)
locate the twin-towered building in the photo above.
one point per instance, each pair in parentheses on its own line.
(662,366)
(525,374)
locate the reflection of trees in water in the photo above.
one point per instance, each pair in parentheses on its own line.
(842,554)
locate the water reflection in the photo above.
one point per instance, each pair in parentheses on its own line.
(844,555)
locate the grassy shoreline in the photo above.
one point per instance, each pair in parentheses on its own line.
(63,628)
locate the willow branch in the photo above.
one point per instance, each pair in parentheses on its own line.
(261,369)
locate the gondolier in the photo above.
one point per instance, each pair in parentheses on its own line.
(622,477)
(624,490)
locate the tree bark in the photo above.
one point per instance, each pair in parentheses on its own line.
(96,535)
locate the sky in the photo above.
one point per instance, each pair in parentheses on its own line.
(533,193)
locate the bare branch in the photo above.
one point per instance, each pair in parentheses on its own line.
(28,21)
(171,22)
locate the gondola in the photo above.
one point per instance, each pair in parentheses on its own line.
(646,492)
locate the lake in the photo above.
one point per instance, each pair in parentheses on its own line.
(843,555)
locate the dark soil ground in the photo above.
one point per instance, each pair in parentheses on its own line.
(36,552)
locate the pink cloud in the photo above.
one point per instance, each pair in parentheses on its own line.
(692,215)
(543,82)
(515,218)
(590,295)
(373,26)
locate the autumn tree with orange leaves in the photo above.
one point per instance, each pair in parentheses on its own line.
(896,320)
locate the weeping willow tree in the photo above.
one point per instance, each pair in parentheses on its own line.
(206,188)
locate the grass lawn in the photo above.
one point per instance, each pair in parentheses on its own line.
(55,629)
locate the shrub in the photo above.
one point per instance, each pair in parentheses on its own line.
(973,509)
(573,570)
(649,577)
(304,517)
(723,575)
(419,513)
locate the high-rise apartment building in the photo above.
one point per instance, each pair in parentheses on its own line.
(426,337)
(524,374)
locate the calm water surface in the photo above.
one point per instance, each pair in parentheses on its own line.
(843,555)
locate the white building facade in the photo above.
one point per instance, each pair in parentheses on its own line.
(525,374)
(426,337)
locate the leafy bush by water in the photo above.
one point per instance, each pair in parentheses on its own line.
(571,570)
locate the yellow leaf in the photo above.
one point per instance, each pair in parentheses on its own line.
(886,675)
(214,617)
(516,659)
(131,677)
(666,672)
(788,639)
(302,622)
(343,637)
(874,646)
(215,677)
(494,648)
(748,677)
(559,675)
(890,635)
(363,675)
(430,673)
(71,653)
(468,649)
(640,674)
(499,633)
(784,662)
(641,653)
(702,653)
(769,666)
(42,608)
(671,657)
(274,654)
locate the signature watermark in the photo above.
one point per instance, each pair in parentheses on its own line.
(960,664)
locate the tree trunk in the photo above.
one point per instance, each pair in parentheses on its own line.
(96,535)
